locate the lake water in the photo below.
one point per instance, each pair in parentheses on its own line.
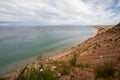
(21,45)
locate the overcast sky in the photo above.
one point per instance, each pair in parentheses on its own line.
(59,12)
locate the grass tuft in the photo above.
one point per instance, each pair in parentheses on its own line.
(83,65)
(65,70)
(1,78)
(33,74)
(105,70)
(73,60)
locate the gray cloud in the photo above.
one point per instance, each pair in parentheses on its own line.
(60,11)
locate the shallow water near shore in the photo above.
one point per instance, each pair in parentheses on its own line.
(21,45)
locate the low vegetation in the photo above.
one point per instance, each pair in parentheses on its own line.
(34,74)
(118,25)
(83,65)
(105,70)
(46,73)
(1,78)
(73,60)
(62,67)
(40,61)
(65,70)
(38,74)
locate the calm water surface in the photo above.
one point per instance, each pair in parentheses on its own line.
(20,45)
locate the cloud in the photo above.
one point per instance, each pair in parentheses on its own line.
(60,11)
(118,4)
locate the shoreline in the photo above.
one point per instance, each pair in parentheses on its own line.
(62,40)
(71,50)
(100,29)
(54,57)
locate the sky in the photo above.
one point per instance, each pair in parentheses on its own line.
(59,12)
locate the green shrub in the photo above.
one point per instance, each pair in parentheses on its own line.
(105,70)
(47,75)
(55,63)
(33,74)
(80,65)
(87,65)
(1,78)
(83,65)
(118,25)
(41,61)
(65,70)
(73,60)
(29,74)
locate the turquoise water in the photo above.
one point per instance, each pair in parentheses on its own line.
(20,45)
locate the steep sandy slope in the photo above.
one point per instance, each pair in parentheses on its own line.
(105,45)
